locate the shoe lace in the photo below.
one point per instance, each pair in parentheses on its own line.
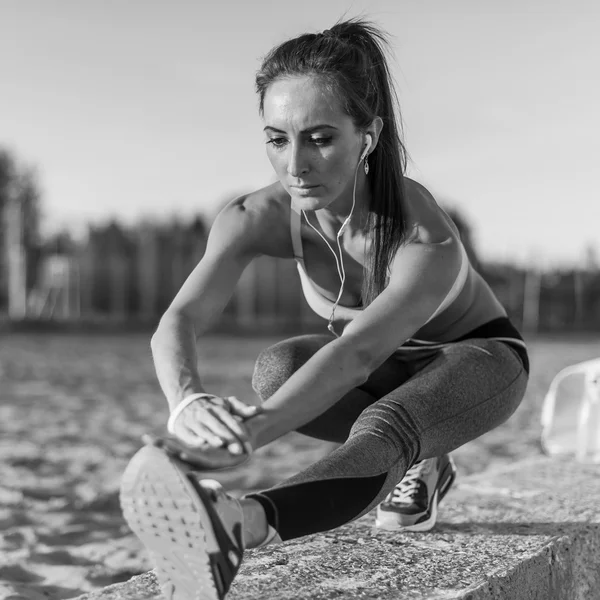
(405,490)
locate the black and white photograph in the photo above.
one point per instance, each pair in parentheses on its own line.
(299,300)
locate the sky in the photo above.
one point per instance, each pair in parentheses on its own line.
(145,109)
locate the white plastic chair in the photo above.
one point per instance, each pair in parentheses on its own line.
(571,421)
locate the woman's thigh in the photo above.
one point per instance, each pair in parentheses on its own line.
(468,389)
(275,365)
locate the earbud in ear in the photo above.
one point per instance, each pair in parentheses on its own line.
(366,150)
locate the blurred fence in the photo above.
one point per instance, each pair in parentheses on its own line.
(119,275)
(140,287)
(547,301)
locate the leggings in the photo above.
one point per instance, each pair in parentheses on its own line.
(411,408)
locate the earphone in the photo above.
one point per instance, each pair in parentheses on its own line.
(340,261)
(367,147)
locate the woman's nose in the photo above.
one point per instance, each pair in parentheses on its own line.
(297,161)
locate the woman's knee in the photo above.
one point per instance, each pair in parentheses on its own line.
(277,363)
(506,373)
(386,434)
(504,357)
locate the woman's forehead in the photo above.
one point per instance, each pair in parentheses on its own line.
(302,102)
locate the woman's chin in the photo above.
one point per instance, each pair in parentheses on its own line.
(309,199)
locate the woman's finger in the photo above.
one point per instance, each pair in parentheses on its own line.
(197,435)
(200,422)
(209,419)
(230,429)
(241,408)
(229,420)
(202,417)
(242,441)
(211,423)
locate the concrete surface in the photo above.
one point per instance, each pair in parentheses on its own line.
(530,531)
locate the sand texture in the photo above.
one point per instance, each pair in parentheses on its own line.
(72,410)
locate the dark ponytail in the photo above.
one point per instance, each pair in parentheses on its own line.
(349,59)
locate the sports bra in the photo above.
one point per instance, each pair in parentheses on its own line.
(500,329)
(323,306)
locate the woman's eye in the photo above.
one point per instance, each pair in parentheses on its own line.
(321,141)
(277,142)
(317,141)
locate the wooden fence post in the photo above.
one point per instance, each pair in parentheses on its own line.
(148,264)
(117,273)
(531,300)
(514,291)
(178,261)
(86,270)
(75,288)
(17,267)
(578,285)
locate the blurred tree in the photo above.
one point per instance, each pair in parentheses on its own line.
(60,242)
(591,261)
(19,184)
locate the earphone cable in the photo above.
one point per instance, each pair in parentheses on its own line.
(339,262)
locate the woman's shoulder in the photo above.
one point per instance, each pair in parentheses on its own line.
(261,215)
(429,231)
(427,222)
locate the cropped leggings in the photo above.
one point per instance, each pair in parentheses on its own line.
(410,409)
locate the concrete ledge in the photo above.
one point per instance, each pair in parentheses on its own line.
(530,531)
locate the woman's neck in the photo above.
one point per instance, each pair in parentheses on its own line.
(335,215)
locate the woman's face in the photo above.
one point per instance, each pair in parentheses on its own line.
(312,143)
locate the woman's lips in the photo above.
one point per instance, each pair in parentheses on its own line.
(305,190)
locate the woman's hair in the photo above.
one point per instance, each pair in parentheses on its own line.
(349,60)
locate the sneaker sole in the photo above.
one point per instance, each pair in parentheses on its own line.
(391,521)
(164,510)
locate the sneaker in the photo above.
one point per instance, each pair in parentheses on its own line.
(191,529)
(412,504)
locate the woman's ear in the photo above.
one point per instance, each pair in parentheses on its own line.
(374,131)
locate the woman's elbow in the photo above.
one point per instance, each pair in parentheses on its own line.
(366,358)
(169,323)
(156,338)
(358,361)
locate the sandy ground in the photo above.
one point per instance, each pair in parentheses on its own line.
(72,410)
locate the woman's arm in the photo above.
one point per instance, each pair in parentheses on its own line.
(230,248)
(421,276)
(175,357)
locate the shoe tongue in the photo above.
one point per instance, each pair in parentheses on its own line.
(228,508)
(406,492)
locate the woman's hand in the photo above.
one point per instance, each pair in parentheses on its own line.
(215,422)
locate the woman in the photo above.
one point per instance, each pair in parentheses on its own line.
(420,358)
